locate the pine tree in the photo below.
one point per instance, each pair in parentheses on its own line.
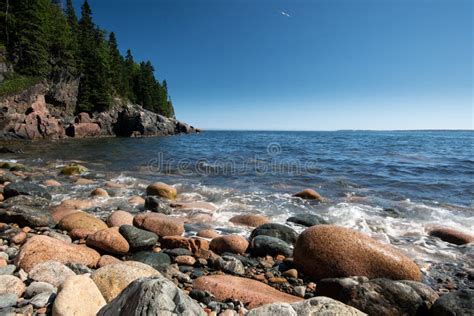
(116,67)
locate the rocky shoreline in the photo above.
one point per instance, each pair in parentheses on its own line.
(158,254)
(47,111)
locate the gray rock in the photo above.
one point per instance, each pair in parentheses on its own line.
(307,220)
(157,260)
(314,306)
(152,296)
(27,216)
(279,231)
(137,238)
(230,265)
(300,290)
(78,268)
(7,300)
(379,296)
(8,269)
(455,303)
(26,200)
(36,288)
(25,188)
(155,204)
(42,299)
(265,245)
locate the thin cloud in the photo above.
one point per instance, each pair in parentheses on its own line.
(285,14)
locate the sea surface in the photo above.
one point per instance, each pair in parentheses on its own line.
(390,185)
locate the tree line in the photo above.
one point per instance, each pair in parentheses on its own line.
(46,39)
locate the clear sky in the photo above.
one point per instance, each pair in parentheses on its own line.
(305,65)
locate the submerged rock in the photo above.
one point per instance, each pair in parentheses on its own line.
(279,231)
(313,306)
(380,296)
(329,251)
(250,292)
(153,296)
(309,194)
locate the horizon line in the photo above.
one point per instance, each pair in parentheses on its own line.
(336,130)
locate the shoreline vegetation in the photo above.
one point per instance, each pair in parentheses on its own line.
(158,252)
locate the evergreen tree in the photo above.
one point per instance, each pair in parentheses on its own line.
(116,67)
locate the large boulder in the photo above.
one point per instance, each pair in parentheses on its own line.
(108,240)
(160,224)
(162,190)
(328,251)
(279,231)
(380,296)
(314,306)
(25,188)
(265,245)
(455,303)
(152,296)
(229,243)
(80,130)
(42,248)
(250,292)
(137,238)
(78,296)
(113,278)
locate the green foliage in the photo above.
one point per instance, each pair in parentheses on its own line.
(42,41)
(17,83)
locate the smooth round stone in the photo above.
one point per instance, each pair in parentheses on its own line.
(309,194)
(36,288)
(269,246)
(108,240)
(185,260)
(252,220)
(160,224)
(78,295)
(157,260)
(119,218)
(42,299)
(11,284)
(99,192)
(7,300)
(136,200)
(7,270)
(229,243)
(279,231)
(208,233)
(137,238)
(51,272)
(307,220)
(452,235)
(51,183)
(329,251)
(162,190)
(82,220)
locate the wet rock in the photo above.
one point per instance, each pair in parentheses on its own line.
(25,188)
(36,288)
(451,235)
(26,200)
(250,292)
(27,216)
(307,220)
(119,218)
(51,183)
(108,240)
(157,260)
(309,194)
(99,192)
(208,233)
(192,244)
(73,169)
(138,239)
(229,243)
(11,284)
(84,181)
(160,224)
(312,306)
(252,220)
(328,251)
(380,296)
(51,272)
(162,190)
(265,245)
(78,295)
(158,205)
(82,220)
(136,200)
(455,303)
(112,279)
(42,248)
(152,296)
(279,231)
(7,300)
(230,265)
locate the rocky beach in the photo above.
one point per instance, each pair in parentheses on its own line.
(73,242)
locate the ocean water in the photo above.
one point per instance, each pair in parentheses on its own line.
(390,185)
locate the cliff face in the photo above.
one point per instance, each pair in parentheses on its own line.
(46,110)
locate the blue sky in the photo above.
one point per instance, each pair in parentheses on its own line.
(330,64)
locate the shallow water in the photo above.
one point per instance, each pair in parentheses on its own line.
(391,185)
